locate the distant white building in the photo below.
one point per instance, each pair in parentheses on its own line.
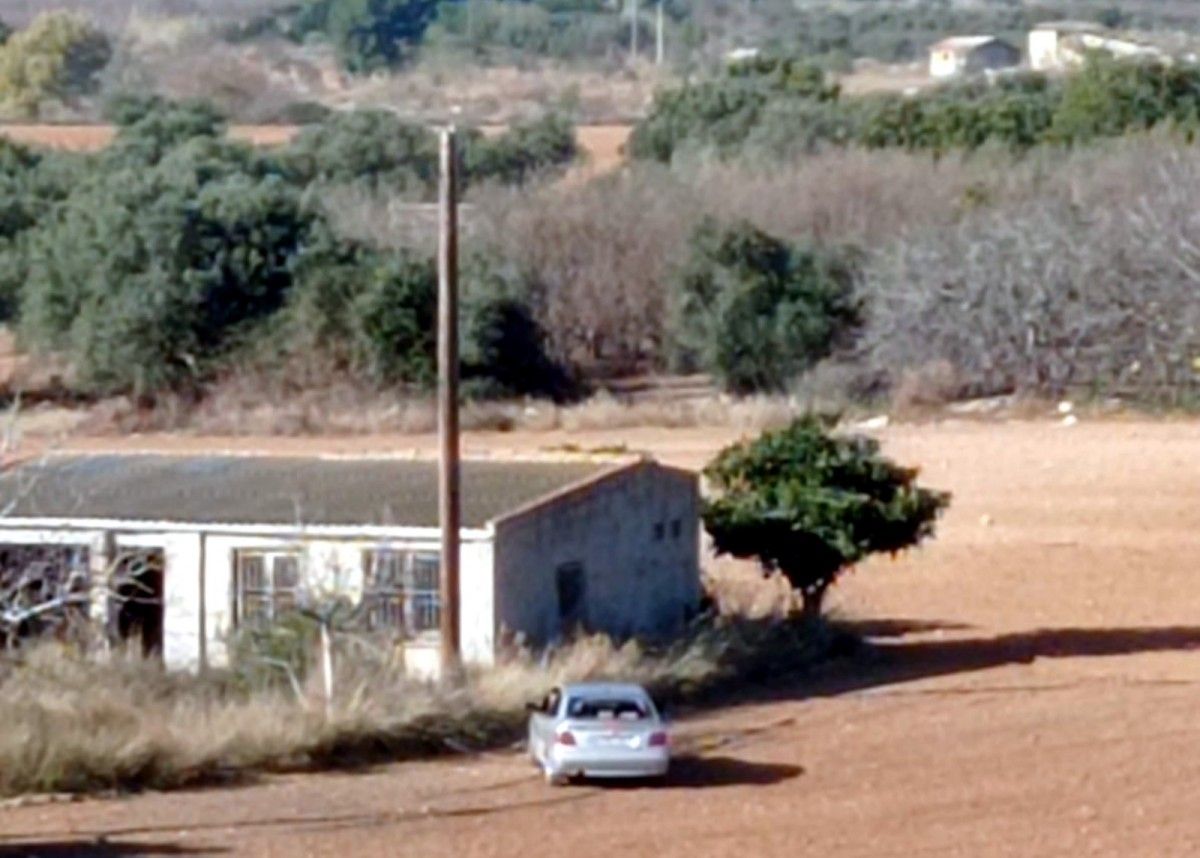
(741,55)
(1057,45)
(222,542)
(962,55)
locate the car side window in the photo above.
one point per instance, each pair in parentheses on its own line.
(550,705)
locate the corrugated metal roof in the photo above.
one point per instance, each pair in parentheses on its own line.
(274,490)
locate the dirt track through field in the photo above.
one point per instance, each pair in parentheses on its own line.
(1035,693)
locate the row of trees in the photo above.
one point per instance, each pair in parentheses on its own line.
(376,33)
(777,108)
(175,252)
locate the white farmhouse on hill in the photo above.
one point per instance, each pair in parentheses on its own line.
(226,541)
(963,55)
(1058,45)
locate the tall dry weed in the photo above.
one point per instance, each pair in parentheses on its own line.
(78,725)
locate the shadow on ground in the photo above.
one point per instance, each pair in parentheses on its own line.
(97,848)
(884,662)
(700,772)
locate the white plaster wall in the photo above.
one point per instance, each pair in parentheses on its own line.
(337,564)
(181,593)
(944,63)
(1043,50)
(477,617)
(636,584)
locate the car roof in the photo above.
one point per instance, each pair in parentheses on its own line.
(604,689)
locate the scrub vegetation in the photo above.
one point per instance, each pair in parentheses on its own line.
(73,725)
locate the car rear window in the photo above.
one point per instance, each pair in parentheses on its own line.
(623,708)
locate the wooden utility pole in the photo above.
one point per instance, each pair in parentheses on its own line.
(658,34)
(448,473)
(633,31)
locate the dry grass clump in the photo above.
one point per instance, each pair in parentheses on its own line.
(75,725)
(247,405)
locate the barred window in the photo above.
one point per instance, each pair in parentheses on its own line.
(401,591)
(267,584)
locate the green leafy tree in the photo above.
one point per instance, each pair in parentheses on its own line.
(369,34)
(524,150)
(504,348)
(811,504)
(59,56)
(371,147)
(146,272)
(1108,98)
(756,311)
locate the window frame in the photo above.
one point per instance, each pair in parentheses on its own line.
(410,599)
(277,600)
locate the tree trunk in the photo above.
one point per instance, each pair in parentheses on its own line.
(812,600)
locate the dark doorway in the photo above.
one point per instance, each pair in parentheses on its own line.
(137,599)
(571,584)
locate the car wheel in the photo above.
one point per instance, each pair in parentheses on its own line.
(554,778)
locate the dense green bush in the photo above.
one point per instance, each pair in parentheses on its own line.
(506,32)
(174,253)
(769,109)
(59,56)
(755,311)
(374,313)
(720,114)
(504,348)
(366,146)
(143,274)
(810,504)
(523,151)
(383,152)
(369,34)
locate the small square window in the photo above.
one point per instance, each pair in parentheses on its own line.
(660,530)
(676,528)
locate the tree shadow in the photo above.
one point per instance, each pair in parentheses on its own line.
(898,628)
(98,848)
(701,772)
(887,663)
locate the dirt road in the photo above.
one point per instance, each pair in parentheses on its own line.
(1036,695)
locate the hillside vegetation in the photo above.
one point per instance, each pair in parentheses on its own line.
(281,60)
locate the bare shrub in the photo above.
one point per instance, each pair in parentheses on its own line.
(933,383)
(598,257)
(1089,285)
(602,256)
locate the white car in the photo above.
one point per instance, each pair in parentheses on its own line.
(598,730)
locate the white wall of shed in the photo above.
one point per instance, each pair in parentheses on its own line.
(1043,50)
(337,565)
(636,584)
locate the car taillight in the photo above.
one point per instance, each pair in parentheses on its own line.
(659,740)
(566,737)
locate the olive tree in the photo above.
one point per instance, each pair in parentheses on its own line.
(810,504)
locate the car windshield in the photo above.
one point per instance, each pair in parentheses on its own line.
(623,708)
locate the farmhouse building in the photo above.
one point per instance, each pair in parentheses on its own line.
(964,55)
(1058,45)
(225,541)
